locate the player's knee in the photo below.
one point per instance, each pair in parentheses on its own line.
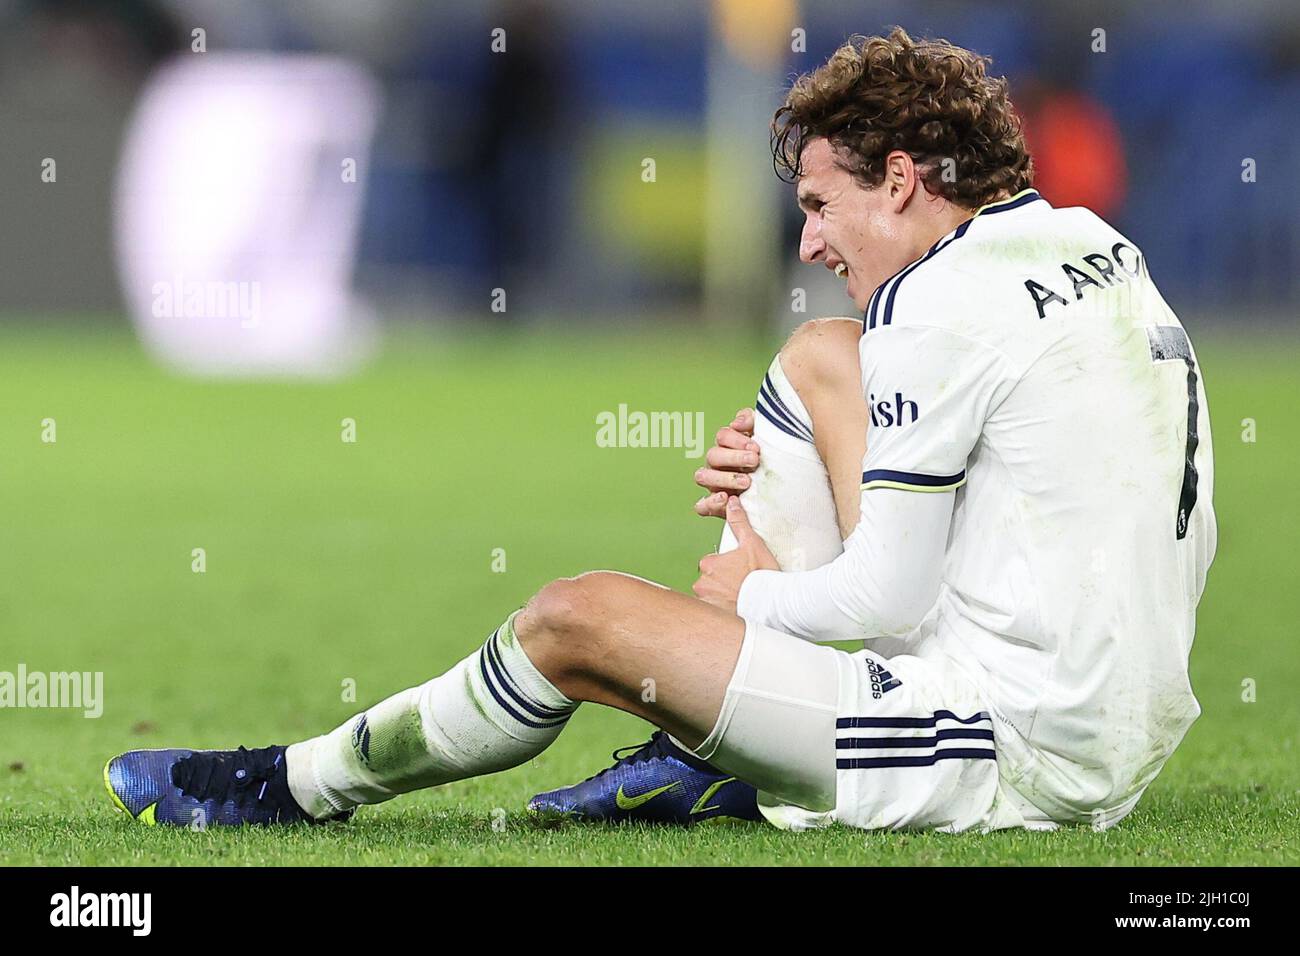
(822,355)
(565,612)
(550,611)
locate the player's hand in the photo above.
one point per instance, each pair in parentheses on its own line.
(734,454)
(721,575)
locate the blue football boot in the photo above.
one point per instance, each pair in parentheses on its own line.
(658,782)
(201,788)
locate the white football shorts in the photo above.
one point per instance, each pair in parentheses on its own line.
(860,739)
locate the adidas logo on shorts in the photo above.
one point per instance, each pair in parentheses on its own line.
(882,682)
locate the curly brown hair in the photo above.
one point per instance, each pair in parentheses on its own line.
(929,98)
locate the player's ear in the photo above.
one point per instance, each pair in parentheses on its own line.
(900,178)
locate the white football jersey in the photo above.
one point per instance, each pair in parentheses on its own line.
(1029,361)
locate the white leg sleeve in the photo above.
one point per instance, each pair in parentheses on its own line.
(789,503)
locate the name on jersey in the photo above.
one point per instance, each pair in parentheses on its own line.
(886,412)
(1123,262)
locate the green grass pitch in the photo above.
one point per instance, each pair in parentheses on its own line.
(371,562)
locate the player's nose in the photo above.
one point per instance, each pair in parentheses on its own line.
(811,245)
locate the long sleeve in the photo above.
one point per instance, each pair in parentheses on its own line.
(882,585)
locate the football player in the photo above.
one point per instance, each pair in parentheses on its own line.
(1033,530)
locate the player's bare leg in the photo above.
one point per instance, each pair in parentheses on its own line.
(601,636)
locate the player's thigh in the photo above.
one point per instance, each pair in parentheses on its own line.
(776,729)
(626,642)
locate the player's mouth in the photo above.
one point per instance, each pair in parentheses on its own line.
(842,272)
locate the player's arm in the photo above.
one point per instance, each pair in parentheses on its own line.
(883,584)
(932,390)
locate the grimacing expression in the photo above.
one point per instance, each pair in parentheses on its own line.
(848,227)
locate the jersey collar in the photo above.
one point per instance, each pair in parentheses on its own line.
(1022,198)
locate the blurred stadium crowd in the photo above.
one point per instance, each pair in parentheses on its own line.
(525,169)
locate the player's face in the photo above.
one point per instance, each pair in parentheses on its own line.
(851,229)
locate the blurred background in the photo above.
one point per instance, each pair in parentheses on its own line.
(597,163)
